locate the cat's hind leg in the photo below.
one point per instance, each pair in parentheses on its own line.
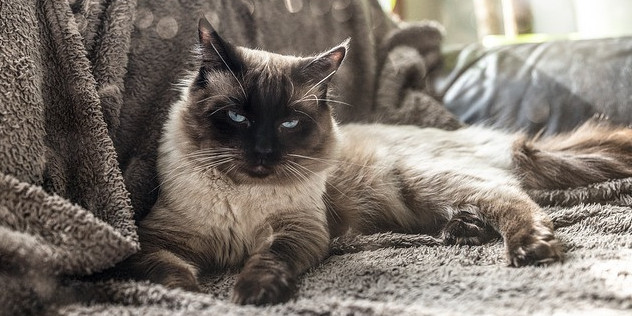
(468,227)
(476,205)
(526,230)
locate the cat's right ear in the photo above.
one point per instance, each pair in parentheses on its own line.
(215,53)
(320,68)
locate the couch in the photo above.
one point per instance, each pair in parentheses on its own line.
(85,86)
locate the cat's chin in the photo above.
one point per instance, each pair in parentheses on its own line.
(259,175)
(259,172)
(256,175)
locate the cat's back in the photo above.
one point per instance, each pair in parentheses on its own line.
(474,145)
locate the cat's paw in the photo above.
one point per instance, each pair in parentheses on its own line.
(533,246)
(174,276)
(467,228)
(262,287)
(187,284)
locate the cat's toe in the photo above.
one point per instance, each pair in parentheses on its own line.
(188,286)
(467,228)
(535,246)
(175,277)
(185,282)
(262,288)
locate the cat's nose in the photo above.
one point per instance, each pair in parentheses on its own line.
(263,149)
(263,153)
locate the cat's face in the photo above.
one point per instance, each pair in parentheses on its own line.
(260,117)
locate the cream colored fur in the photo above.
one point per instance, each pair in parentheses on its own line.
(475,150)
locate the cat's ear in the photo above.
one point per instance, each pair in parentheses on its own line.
(215,52)
(322,67)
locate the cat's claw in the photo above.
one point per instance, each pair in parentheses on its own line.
(536,246)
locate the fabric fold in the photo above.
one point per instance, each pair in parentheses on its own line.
(84,89)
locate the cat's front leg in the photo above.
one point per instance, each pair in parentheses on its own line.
(164,267)
(288,245)
(265,279)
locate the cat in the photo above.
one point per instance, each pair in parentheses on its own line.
(256,173)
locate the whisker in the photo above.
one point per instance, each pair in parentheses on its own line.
(223,96)
(299,111)
(230,70)
(221,108)
(327,100)
(319,176)
(313,97)
(331,163)
(319,82)
(171,176)
(206,165)
(329,205)
(211,151)
(303,98)
(207,156)
(302,177)
(291,86)
(337,162)
(196,162)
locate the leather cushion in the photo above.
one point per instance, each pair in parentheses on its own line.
(550,86)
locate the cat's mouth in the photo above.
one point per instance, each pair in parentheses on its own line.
(259,171)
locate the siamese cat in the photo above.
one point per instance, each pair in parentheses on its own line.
(255,173)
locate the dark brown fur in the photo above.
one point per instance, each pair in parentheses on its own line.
(594,152)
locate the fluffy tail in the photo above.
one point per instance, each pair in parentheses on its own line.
(594,152)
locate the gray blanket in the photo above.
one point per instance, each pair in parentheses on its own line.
(84,88)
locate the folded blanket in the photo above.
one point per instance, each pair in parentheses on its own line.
(84,88)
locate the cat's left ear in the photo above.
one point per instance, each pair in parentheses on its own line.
(325,65)
(215,52)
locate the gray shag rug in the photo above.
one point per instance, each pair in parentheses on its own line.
(84,88)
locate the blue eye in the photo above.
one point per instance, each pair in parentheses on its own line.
(237,117)
(290,124)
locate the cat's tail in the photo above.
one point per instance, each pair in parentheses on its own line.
(594,152)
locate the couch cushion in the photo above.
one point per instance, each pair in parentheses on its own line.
(549,86)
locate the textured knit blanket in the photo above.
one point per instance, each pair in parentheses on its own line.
(84,87)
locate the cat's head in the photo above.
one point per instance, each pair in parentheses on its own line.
(261,117)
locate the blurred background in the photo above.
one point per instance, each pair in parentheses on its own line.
(497,22)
